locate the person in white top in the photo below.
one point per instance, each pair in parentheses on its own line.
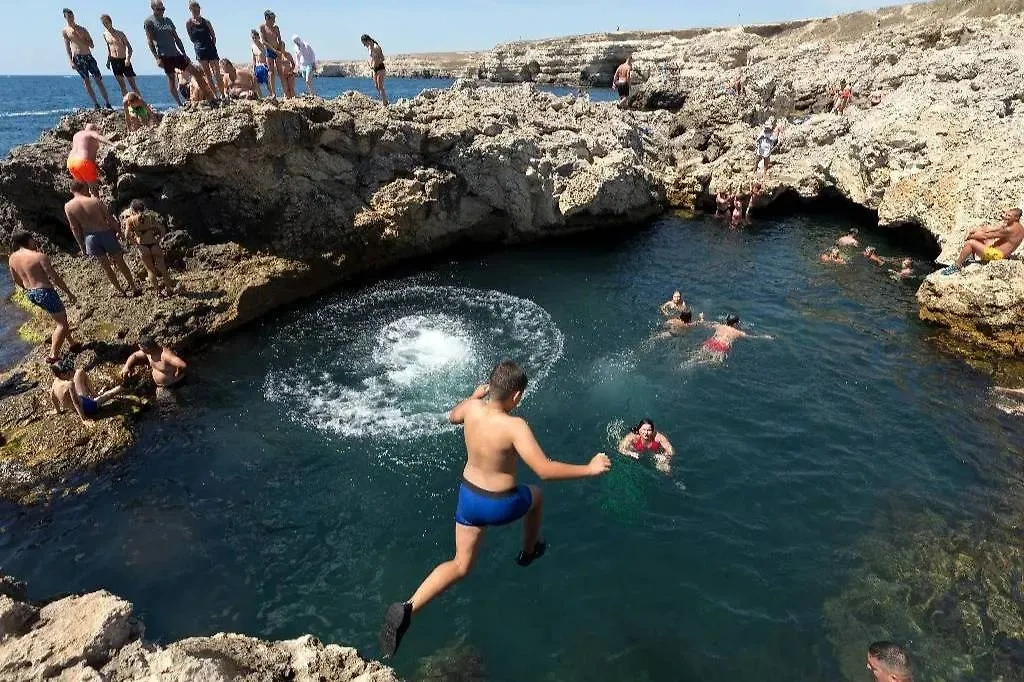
(307,63)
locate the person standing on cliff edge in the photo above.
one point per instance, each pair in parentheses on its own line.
(79,44)
(119,56)
(307,63)
(169,51)
(620,81)
(376,65)
(489,495)
(273,48)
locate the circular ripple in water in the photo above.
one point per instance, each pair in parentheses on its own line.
(391,362)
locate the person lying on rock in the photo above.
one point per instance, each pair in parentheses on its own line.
(95,230)
(848,239)
(489,494)
(239,84)
(992,242)
(167,368)
(73,390)
(833,256)
(872,255)
(144,229)
(32,272)
(138,113)
(82,159)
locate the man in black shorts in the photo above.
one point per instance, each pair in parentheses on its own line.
(169,51)
(620,82)
(78,44)
(119,56)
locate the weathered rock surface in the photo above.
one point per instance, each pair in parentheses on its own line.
(431,65)
(269,203)
(96,638)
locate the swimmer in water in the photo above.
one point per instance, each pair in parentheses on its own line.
(872,255)
(716,349)
(833,256)
(167,368)
(644,439)
(848,239)
(677,326)
(674,305)
(906,269)
(490,495)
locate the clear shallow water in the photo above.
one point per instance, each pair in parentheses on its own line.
(31,104)
(259,510)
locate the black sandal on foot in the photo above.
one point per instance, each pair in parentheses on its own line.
(526,558)
(396,622)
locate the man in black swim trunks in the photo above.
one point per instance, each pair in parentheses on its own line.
(169,51)
(79,44)
(489,495)
(620,82)
(119,56)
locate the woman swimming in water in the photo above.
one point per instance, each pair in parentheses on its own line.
(644,439)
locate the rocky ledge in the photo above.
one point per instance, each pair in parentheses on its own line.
(268,203)
(95,637)
(433,65)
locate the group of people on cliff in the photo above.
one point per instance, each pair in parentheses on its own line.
(211,78)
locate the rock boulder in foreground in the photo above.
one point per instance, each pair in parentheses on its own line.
(95,637)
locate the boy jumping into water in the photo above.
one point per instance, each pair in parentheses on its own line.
(489,495)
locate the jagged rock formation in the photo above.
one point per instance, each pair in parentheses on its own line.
(269,203)
(95,637)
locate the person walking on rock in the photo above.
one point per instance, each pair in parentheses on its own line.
(119,56)
(307,63)
(79,44)
(620,82)
(169,51)
(489,495)
(85,144)
(32,272)
(95,230)
(376,65)
(204,40)
(273,46)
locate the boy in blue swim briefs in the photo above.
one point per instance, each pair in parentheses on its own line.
(489,495)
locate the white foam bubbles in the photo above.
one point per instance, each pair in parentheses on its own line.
(389,363)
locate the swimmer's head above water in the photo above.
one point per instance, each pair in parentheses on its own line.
(645,429)
(507,384)
(677,297)
(686,315)
(732,320)
(146,343)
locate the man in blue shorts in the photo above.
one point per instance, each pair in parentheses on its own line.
(72,390)
(95,230)
(78,44)
(489,495)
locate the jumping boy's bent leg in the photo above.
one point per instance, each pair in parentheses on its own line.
(399,615)
(533,546)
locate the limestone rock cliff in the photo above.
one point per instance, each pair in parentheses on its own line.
(95,637)
(432,65)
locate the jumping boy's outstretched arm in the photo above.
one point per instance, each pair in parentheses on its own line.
(458,413)
(529,450)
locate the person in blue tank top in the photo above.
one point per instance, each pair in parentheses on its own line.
(489,494)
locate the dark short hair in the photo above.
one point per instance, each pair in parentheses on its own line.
(686,315)
(1017,212)
(67,11)
(269,13)
(105,16)
(21,239)
(507,379)
(137,205)
(892,656)
(732,319)
(365,38)
(79,187)
(147,342)
(63,366)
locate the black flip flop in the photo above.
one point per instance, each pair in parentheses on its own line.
(396,623)
(526,558)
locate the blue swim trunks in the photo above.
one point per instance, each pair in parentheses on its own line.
(261,73)
(479,507)
(47,299)
(102,244)
(89,406)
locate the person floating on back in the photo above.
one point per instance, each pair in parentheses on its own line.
(489,495)
(31,271)
(992,242)
(376,65)
(85,144)
(889,662)
(79,44)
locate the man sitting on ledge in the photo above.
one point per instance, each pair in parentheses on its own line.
(994,242)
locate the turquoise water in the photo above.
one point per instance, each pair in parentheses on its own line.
(309,479)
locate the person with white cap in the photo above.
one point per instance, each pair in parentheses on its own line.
(307,62)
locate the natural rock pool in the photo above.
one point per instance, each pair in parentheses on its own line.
(309,479)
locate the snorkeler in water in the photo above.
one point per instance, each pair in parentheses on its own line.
(644,439)
(489,495)
(716,349)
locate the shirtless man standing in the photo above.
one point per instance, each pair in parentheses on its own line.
(620,81)
(260,70)
(79,44)
(270,34)
(119,56)
(489,495)
(993,242)
(31,271)
(238,84)
(82,158)
(716,349)
(167,368)
(95,230)
(169,51)
(72,390)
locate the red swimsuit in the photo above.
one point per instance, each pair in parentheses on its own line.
(640,447)
(716,345)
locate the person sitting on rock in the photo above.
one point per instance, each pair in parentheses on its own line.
(833,256)
(167,368)
(872,255)
(620,81)
(73,390)
(765,144)
(238,84)
(138,113)
(849,239)
(144,229)
(993,242)
(843,96)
